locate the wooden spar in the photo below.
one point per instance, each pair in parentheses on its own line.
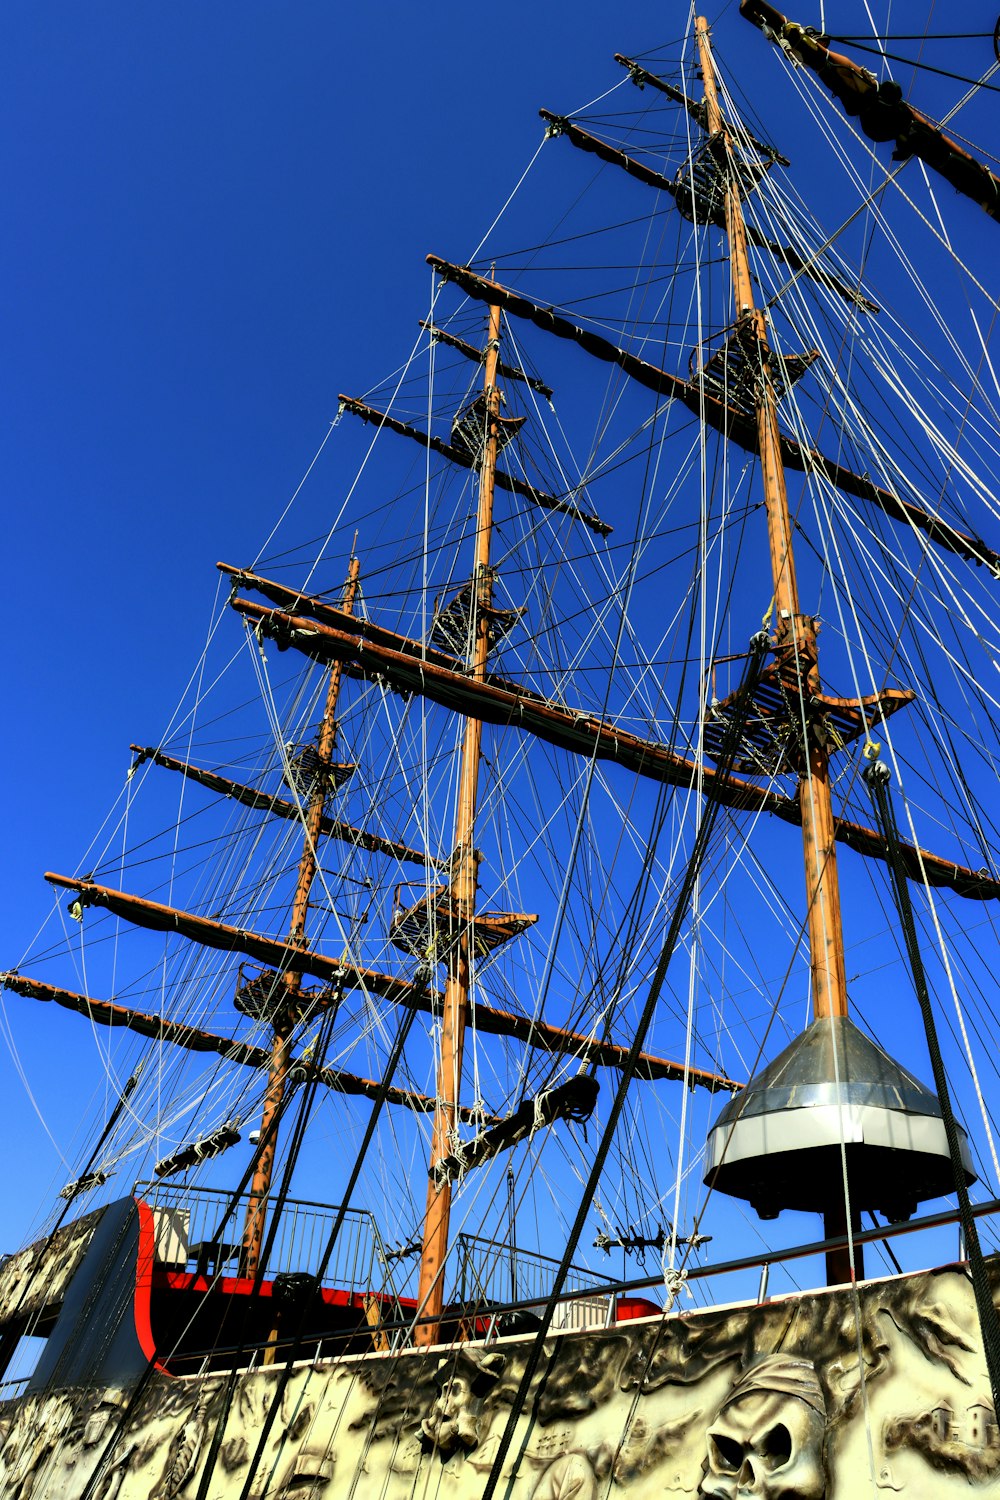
(585,141)
(539,1034)
(304,604)
(584,734)
(504,481)
(794,632)
(728,420)
(291,603)
(464,879)
(193,1039)
(680,190)
(794,635)
(249,796)
(210,933)
(885,702)
(341,976)
(695,107)
(879,108)
(507,372)
(287,1015)
(548,1038)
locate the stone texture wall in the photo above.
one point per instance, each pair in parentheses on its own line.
(35,1279)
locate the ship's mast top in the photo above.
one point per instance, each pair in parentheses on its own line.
(462,891)
(795,634)
(794,639)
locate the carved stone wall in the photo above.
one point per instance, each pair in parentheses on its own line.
(36,1278)
(829,1396)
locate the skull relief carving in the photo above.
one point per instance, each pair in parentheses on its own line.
(457,1421)
(767,1439)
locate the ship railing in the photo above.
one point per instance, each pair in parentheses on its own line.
(200,1229)
(489,1274)
(486,1265)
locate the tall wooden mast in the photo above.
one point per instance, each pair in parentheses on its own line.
(464,872)
(795,633)
(286,1015)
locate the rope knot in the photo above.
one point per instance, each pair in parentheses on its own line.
(539,1120)
(674,1282)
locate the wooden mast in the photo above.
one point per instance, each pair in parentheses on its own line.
(795,633)
(284,1021)
(430,1297)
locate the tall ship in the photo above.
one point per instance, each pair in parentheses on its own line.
(543,976)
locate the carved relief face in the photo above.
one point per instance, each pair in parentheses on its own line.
(453,1418)
(766,1444)
(457,1420)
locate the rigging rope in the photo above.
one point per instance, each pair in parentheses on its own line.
(706,825)
(877,777)
(39,1258)
(296,1344)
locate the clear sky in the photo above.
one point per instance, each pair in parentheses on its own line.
(215,220)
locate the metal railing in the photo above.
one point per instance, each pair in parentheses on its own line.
(490,1273)
(200,1229)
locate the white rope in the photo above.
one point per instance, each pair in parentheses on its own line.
(292,499)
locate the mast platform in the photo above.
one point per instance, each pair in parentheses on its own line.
(702,188)
(308,773)
(784,714)
(468,430)
(453,627)
(432,926)
(732,372)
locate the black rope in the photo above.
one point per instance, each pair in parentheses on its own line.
(39,1259)
(95,1486)
(919,36)
(134,1402)
(911,62)
(297,1341)
(730,748)
(306,1106)
(886,1246)
(245,1342)
(877,776)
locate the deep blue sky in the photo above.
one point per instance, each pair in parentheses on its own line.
(215,220)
